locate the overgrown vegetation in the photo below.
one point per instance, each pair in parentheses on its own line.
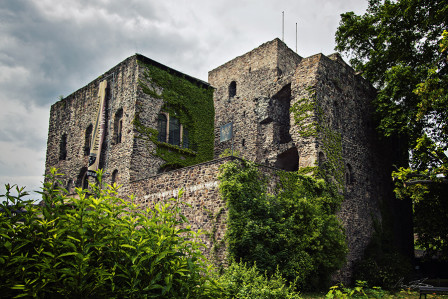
(191,104)
(96,245)
(401,47)
(294,232)
(242,281)
(312,122)
(99,246)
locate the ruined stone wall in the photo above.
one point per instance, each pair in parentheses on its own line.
(345,99)
(147,108)
(200,185)
(259,76)
(72,115)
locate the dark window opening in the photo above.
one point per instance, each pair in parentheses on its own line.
(63,147)
(349,180)
(161,127)
(118,126)
(114,176)
(288,160)
(185,141)
(281,104)
(174,131)
(232,89)
(88,140)
(243,143)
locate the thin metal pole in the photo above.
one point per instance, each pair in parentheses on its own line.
(296,37)
(283,26)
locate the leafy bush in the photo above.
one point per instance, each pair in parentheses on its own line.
(295,231)
(97,245)
(361,290)
(241,281)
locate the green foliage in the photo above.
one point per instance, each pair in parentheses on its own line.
(191,104)
(401,47)
(361,290)
(304,115)
(312,122)
(241,281)
(430,218)
(295,230)
(97,245)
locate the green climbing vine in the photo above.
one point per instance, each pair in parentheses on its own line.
(294,231)
(312,122)
(191,103)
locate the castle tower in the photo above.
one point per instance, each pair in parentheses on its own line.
(291,112)
(135,120)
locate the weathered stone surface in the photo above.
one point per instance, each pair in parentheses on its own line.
(255,92)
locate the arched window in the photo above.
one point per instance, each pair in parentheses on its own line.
(88,139)
(63,147)
(118,126)
(232,89)
(174,131)
(115,176)
(161,127)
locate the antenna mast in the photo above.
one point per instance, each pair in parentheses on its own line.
(296,37)
(283,26)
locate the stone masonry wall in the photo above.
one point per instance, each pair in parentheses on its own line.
(345,99)
(259,75)
(200,186)
(73,114)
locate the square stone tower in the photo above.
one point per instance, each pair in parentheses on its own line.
(134,121)
(291,112)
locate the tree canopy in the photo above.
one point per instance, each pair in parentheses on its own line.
(401,48)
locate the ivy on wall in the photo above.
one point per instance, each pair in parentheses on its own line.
(312,122)
(192,104)
(294,231)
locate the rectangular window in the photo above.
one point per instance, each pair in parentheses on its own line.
(174,134)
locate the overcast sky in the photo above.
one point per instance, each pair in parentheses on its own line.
(50,48)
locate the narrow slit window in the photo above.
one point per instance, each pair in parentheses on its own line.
(88,139)
(118,126)
(115,176)
(63,147)
(232,89)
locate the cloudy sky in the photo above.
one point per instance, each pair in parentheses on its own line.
(50,48)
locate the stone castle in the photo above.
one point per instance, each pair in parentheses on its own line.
(244,108)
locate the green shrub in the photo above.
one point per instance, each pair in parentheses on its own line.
(98,245)
(241,281)
(295,231)
(361,290)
